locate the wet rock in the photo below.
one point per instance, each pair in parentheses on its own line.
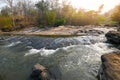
(1,38)
(95,31)
(113,37)
(118,28)
(40,73)
(110,69)
(90,32)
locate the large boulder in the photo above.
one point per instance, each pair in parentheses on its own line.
(113,37)
(110,68)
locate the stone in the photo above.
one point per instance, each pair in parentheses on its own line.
(113,37)
(90,32)
(110,68)
(118,28)
(40,72)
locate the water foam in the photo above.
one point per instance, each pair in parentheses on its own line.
(102,47)
(42,52)
(13,44)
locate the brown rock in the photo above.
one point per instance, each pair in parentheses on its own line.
(111,66)
(40,73)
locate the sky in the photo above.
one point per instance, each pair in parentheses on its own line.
(94,4)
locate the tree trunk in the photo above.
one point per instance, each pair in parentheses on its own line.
(13,22)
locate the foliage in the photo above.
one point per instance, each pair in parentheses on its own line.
(101,19)
(68,13)
(42,7)
(60,22)
(116,14)
(5,11)
(111,23)
(50,18)
(50,13)
(6,23)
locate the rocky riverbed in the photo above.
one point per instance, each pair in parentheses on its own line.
(110,68)
(67,58)
(58,31)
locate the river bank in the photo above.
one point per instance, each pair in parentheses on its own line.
(61,31)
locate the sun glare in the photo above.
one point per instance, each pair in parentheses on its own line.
(94,4)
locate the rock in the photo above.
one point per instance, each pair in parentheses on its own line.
(113,37)
(110,68)
(90,32)
(118,28)
(40,73)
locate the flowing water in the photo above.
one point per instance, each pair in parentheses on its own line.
(72,58)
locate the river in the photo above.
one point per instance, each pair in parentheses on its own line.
(70,58)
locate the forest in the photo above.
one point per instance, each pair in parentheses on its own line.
(18,14)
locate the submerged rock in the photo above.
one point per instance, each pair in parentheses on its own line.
(110,68)
(40,73)
(113,37)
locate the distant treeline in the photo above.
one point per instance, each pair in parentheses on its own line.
(51,13)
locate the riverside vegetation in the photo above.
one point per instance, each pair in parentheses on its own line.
(51,13)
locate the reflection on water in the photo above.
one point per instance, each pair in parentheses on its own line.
(75,58)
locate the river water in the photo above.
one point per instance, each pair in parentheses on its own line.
(72,58)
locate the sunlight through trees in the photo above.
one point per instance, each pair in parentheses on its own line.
(50,13)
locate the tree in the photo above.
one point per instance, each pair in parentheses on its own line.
(43,7)
(56,6)
(25,9)
(5,11)
(68,13)
(51,17)
(116,14)
(79,18)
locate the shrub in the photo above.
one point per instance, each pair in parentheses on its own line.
(6,23)
(50,18)
(111,23)
(60,21)
(115,16)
